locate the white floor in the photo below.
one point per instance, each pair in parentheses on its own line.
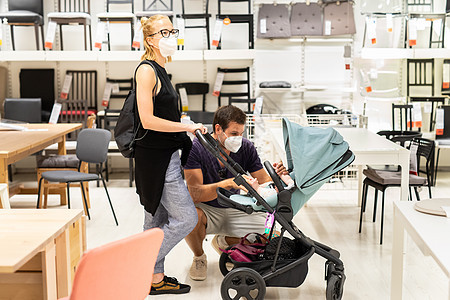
(331,217)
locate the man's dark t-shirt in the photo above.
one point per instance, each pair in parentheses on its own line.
(200,158)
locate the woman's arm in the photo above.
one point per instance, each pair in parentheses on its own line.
(146,81)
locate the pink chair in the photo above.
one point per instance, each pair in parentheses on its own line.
(119,270)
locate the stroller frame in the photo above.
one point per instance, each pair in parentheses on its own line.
(283,214)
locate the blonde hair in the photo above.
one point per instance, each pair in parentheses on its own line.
(148,28)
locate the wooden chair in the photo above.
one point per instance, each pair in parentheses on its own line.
(25,13)
(73,12)
(118,17)
(62,162)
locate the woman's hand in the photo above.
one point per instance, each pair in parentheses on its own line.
(280,169)
(197,126)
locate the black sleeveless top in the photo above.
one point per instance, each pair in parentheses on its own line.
(154,148)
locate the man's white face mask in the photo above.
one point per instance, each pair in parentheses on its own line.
(232,143)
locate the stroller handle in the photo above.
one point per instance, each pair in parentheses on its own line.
(274,176)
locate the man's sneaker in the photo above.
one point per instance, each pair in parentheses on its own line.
(199,268)
(219,242)
(169,285)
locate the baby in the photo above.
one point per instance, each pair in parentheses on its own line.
(265,190)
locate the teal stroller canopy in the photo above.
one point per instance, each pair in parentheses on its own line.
(313,155)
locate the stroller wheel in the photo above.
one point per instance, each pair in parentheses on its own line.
(243,282)
(225,264)
(335,286)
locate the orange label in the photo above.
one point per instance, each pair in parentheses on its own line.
(105,103)
(439,131)
(226,21)
(98,45)
(412,42)
(48,45)
(416,124)
(136,44)
(215,43)
(347,66)
(368,89)
(216,93)
(446,85)
(63,96)
(374,41)
(389,29)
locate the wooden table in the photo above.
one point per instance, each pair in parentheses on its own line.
(429,232)
(16,145)
(39,252)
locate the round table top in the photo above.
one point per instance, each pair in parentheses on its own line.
(432,206)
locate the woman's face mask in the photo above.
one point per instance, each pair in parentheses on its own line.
(232,143)
(168,46)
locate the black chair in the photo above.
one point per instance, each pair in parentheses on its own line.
(92,147)
(39,83)
(443,140)
(194,88)
(118,17)
(420,74)
(381,180)
(23,109)
(432,17)
(199,16)
(25,13)
(405,116)
(243,84)
(110,117)
(239,19)
(72,12)
(156,7)
(249,101)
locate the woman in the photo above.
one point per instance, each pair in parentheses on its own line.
(159,183)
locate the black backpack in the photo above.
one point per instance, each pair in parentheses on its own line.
(127,126)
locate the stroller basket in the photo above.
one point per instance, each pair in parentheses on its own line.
(289,272)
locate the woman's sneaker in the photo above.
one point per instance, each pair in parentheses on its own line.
(169,285)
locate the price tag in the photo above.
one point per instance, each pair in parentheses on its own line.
(263,26)
(366,81)
(180,25)
(412,32)
(389,23)
(1,32)
(66,86)
(421,24)
(137,36)
(327,27)
(99,35)
(51,30)
(446,76)
(56,110)
(439,121)
(413,159)
(106,94)
(115,88)
(347,62)
(372,30)
(184,99)
(217,32)
(427,107)
(258,105)
(416,116)
(218,84)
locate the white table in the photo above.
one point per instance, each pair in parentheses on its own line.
(369,149)
(430,233)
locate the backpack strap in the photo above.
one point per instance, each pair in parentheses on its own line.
(155,88)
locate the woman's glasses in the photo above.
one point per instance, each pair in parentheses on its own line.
(166,33)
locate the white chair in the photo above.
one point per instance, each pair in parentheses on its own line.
(4,197)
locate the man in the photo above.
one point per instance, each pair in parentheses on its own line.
(204,173)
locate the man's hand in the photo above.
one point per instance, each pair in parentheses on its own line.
(280,169)
(232,185)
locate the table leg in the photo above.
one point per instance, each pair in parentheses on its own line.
(397,258)
(49,272)
(360,183)
(62,146)
(404,184)
(4,195)
(63,269)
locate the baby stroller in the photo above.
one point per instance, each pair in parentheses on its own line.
(313,155)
